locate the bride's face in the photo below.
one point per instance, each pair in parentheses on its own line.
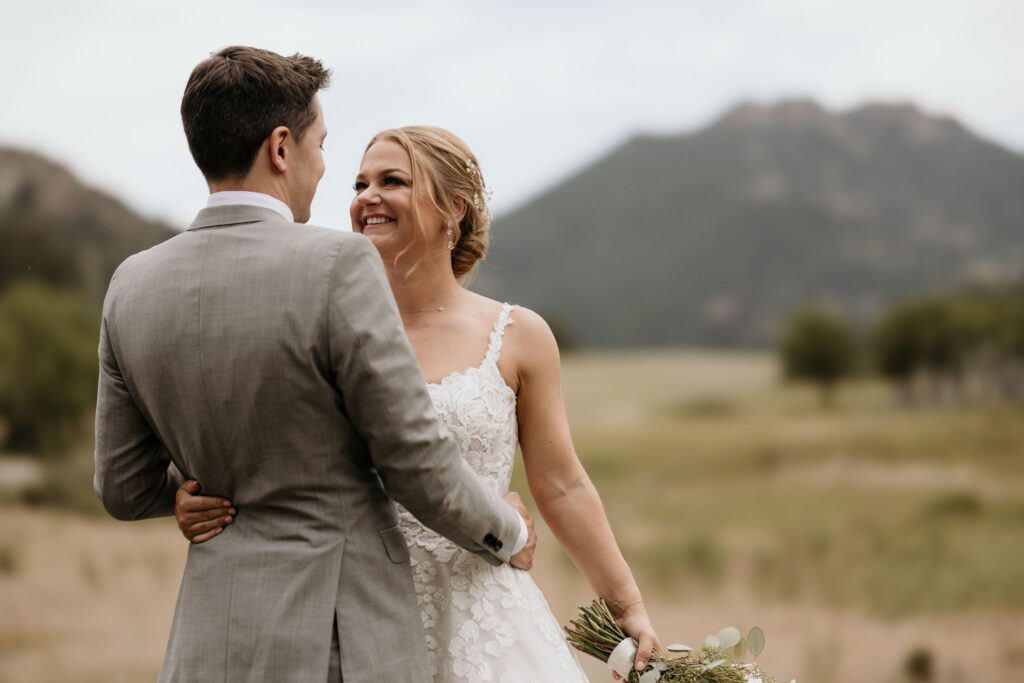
(382,206)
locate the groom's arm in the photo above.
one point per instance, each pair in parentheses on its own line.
(386,399)
(135,478)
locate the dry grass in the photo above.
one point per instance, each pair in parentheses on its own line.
(87,603)
(854,537)
(867,531)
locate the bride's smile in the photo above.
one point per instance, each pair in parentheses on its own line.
(387,208)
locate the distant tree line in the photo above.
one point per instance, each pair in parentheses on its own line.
(962,347)
(49,332)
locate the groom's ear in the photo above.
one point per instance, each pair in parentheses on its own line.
(280,139)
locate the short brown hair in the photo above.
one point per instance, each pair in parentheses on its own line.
(235,99)
(452,172)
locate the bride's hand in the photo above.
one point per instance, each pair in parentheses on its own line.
(634,621)
(524,558)
(200,518)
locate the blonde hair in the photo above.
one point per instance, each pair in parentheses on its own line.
(453,174)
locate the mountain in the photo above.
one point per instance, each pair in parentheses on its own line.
(715,237)
(57,229)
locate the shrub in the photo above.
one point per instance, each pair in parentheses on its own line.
(48,364)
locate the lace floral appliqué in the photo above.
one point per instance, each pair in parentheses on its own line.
(483,623)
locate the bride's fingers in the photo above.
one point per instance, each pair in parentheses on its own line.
(188,520)
(202,528)
(196,503)
(207,536)
(205,514)
(187,500)
(644,650)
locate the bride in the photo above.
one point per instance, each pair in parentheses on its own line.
(493,376)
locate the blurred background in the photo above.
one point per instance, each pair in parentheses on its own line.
(779,241)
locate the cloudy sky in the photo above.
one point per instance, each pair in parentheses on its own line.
(537,89)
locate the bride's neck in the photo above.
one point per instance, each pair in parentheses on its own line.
(428,285)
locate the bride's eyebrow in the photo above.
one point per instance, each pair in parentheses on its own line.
(386,171)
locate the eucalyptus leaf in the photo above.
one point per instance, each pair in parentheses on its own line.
(740,651)
(711,641)
(715,664)
(650,676)
(728,637)
(679,647)
(755,641)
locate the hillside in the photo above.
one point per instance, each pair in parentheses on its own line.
(713,238)
(55,228)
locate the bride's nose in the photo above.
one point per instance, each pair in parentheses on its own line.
(368,196)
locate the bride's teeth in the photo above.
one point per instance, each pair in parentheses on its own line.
(377,220)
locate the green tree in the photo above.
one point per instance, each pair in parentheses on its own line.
(1000,339)
(952,338)
(896,347)
(820,347)
(34,248)
(48,364)
(904,343)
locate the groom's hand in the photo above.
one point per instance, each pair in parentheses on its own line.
(200,518)
(524,558)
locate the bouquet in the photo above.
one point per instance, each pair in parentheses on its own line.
(719,659)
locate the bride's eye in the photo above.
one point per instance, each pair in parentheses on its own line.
(358,186)
(393,180)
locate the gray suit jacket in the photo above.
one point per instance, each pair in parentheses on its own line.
(267,360)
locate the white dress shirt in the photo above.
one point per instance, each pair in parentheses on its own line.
(235,197)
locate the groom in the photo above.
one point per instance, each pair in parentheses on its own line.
(267,360)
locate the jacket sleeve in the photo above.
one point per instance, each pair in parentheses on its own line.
(386,398)
(134,477)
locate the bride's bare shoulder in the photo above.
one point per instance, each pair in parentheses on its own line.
(526,336)
(531,323)
(530,344)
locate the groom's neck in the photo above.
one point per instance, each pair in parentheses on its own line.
(248,184)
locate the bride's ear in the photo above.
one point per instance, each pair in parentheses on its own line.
(460,208)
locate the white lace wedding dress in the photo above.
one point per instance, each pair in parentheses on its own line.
(483,623)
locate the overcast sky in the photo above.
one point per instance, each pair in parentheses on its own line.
(537,89)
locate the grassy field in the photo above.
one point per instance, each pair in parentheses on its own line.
(859,538)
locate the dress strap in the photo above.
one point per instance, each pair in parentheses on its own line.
(504,319)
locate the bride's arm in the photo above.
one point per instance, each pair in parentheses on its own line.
(561,488)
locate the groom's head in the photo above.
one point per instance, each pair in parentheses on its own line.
(243,101)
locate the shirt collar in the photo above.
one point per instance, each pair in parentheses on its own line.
(230,197)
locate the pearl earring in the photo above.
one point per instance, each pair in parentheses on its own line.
(451,235)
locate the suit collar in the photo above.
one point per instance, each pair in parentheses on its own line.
(234,214)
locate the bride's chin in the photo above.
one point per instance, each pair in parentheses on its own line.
(390,246)
(383,241)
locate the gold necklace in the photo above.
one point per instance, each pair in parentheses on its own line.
(436,309)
